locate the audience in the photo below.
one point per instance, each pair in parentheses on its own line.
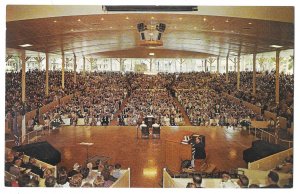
(273,179)
(99,96)
(157,103)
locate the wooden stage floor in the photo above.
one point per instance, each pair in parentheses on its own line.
(145,157)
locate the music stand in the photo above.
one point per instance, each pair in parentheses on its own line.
(87,148)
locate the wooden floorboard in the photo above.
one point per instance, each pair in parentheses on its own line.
(145,157)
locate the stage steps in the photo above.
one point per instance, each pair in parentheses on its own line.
(186,118)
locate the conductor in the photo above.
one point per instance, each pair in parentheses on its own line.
(199,149)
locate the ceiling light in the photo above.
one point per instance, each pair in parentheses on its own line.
(175,27)
(275,46)
(227,21)
(25,45)
(213,29)
(180,19)
(54,21)
(204,19)
(195,27)
(110,27)
(152,17)
(72,30)
(131,26)
(102,19)
(79,20)
(151,54)
(232,31)
(249,23)
(91,28)
(151,34)
(127,18)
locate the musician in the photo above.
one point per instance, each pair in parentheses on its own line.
(199,149)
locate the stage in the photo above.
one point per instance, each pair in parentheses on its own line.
(146,157)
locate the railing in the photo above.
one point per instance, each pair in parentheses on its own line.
(256,109)
(45,108)
(41,164)
(271,138)
(168,182)
(33,136)
(38,163)
(123,181)
(270,162)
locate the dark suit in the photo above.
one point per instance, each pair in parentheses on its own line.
(199,151)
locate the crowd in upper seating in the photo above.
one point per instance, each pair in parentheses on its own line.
(35,89)
(265,90)
(99,99)
(157,103)
(101,95)
(206,107)
(192,80)
(31,174)
(144,81)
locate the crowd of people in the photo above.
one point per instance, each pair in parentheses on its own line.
(30,174)
(35,89)
(206,107)
(265,90)
(242,181)
(192,80)
(100,95)
(156,102)
(97,102)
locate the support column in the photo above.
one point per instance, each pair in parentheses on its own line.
(254,75)
(277,77)
(238,72)
(63,71)
(111,66)
(205,65)
(23,61)
(91,64)
(75,67)
(227,58)
(150,64)
(47,75)
(23,125)
(218,64)
(83,66)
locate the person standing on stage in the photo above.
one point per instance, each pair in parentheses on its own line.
(199,149)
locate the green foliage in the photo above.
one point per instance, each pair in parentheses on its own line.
(140,68)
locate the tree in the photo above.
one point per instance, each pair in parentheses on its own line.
(291,62)
(261,61)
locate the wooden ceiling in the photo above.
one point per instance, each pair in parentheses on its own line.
(116,35)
